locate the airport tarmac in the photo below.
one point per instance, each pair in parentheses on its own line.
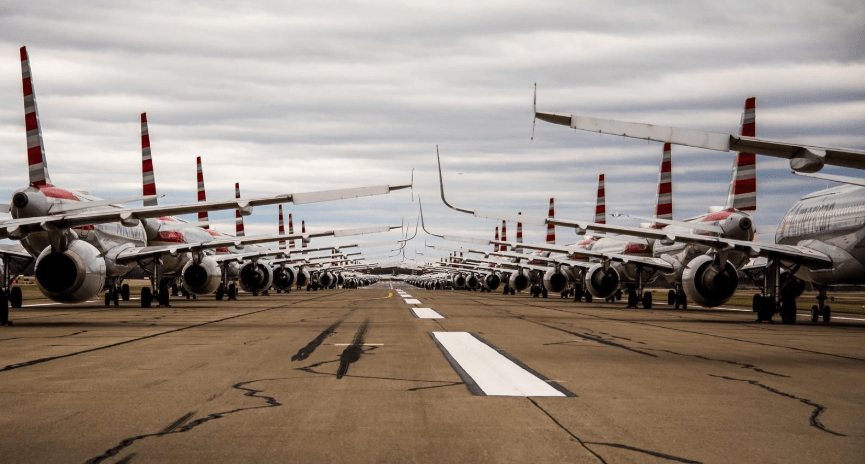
(391,373)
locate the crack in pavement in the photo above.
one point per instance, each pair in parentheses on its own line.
(818,408)
(146,337)
(735,363)
(583,444)
(311,370)
(180,425)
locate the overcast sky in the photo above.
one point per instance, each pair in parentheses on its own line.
(321,95)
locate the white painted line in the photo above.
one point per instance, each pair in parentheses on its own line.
(412,301)
(405,295)
(426,313)
(492,372)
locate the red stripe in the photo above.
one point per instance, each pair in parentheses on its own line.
(600,209)
(749,129)
(28,87)
(147,165)
(750,103)
(746,159)
(720,215)
(634,248)
(200,177)
(744,186)
(30,121)
(34,155)
(54,192)
(23,53)
(666,166)
(667,147)
(149,189)
(145,141)
(602,192)
(600,178)
(201,197)
(664,208)
(143,117)
(666,187)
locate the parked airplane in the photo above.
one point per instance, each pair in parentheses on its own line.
(81,243)
(803,158)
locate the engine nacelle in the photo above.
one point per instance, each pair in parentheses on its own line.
(555,281)
(201,278)
(459,281)
(73,276)
(473,282)
(256,276)
(518,281)
(492,281)
(600,282)
(326,279)
(29,202)
(707,285)
(303,278)
(284,277)
(340,280)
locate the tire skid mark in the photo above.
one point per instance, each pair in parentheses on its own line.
(146,337)
(581,442)
(180,425)
(734,363)
(311,370)
(649,452)
(351,354)
(814,420)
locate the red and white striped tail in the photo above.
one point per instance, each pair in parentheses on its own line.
(281,229)
(36,163)
(743,183)
(303,231)
(519,234)
(504,236)
(551,229)
(290,231)
(202,215)
(664,198)
(147,178)
(496,246)
(601,205)
(238,218)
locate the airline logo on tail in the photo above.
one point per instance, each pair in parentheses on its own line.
(551,229)
(743,185)
(36,162)
(601,205)
(664,199)
(202,215)
(147,177)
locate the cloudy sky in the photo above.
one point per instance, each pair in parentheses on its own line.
(285,97)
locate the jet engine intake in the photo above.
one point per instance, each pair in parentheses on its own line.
(72,276)
(518,281)
(284,277)
(555,281)
(602,283)
(708,284)
(201,278)
(256,276)
(492,281)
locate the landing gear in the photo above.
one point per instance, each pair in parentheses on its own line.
(565,294)
(544,292)
(681,301)
(124,292)
(506,290)
(788,310)
(163,296)
(632,300)
(513,292)
(821,309)
(16,298)
(232,292)
(578,294)
(146,297)
(220,292)
(671,297)
(647,300)
(779,292)
(4,309)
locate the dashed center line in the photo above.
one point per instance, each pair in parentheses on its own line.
(426,313)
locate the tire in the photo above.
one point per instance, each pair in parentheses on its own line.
(588,297)
(682,300)
(827,314)
(513,292)
(647,300)
(124,292)
(146,297)
(4,308)
(175,290)
(767,309)
(164,297)
(578,294)
(632,299)
(788,311)
(755,303)
(671,297)
(232,292)
(107,298)
(544,293)
(618,295)
(815,313)
(16,298)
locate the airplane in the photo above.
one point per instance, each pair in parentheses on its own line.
(83,243)
(803,158)
(699,272)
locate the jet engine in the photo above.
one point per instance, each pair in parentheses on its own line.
(459,281)
(284,277)
(256,277)
(340,280)
(326,279)
(71,276)
(201,278)
(473,282)
(708,285)
(555,281)
(303,277)
(518,281)
(492,281)
(602,283)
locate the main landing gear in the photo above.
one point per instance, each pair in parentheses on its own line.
(821,309)
(779,293)
(677,298)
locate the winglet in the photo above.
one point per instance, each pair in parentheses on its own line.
(534,111)
(412,184)
(442,188)
(420,205)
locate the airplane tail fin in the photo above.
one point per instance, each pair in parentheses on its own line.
(664,198)
(290,231)
(303,231)
(238,219)
(519,234)
(281,229)
(551,229)
(147,178)
(601,205)
(504,236)
(36,162)
(496,246)
(202,215)
(743,184)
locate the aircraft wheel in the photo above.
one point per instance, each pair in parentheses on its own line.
(766,309)
(164,297)
(16,298)
(146,297)
(107,298)
(788,311)
(755,303)
(4,309)
(682,300)
(578,294)
(175,290)
(632,299)
(815,313)
(513,292)
(827,314)
(124,292)
(618,294)
(219,294)
(565,294)
(588,297)
(671,297)
(544,292)
(232,292)
(647,300)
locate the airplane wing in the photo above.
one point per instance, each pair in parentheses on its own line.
(17,261)
(19,228)
(803,158)
(133,254)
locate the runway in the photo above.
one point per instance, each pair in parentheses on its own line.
(360,376)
